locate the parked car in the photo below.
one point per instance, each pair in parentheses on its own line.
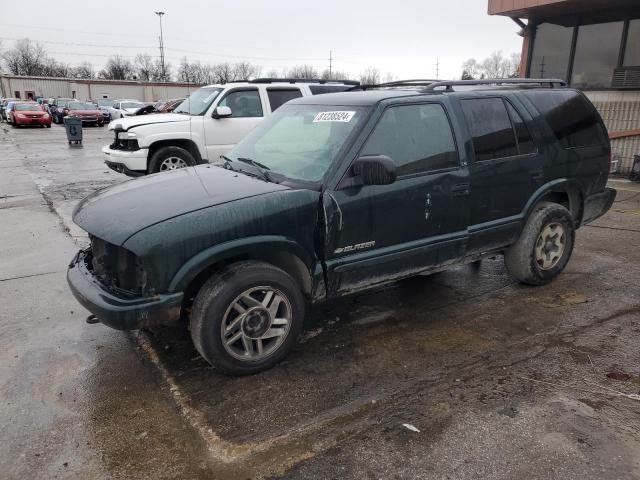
(3,106)
(29,113)
(204,126)
(103,105)
(340,193)
(159,107)
(124,108)
(7,110)
(87,112)
(58,109)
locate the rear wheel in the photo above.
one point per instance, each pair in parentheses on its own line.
(544,247)
(247,317)
(170,158)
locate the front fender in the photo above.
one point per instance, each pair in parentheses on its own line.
(264,244)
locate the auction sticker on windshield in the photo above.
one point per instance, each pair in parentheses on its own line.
(334,117)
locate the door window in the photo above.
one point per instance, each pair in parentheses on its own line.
(525,142)
(490,128)
(417,137)
(280,96)
(243,103)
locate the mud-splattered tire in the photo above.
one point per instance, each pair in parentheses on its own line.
(256,302)
(170,158)
(544,247)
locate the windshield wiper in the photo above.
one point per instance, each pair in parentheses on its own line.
(227,163)
(263,169)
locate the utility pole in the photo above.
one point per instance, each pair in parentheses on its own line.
(164,75)
(437,68)
(330,64)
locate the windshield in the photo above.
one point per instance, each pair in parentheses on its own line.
(81,106)
(105,102)
(198,102)
(28,107)
(300,141)
(131,105)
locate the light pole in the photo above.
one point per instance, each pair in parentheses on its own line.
(164,78)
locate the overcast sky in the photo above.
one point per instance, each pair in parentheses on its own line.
(405,38)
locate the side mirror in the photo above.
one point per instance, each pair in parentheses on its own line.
(222,112)
(371,170)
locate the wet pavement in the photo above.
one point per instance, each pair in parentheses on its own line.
(462,374)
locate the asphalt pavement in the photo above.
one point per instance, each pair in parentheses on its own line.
(463,374)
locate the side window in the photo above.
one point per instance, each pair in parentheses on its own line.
(417,137)
(573,120)
(490,128)
(280,96)
(525,142)
(243,103)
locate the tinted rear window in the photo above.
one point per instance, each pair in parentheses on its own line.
(319,89)
(572,119)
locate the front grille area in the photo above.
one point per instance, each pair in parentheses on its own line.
(117,268)
(124,144)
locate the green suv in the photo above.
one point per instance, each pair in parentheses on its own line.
(339,193)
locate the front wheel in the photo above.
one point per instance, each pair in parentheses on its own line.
(170,158)
(247,317)
(544,247)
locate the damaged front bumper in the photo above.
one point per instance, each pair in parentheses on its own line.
(119,312)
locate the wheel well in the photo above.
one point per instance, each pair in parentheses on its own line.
(188,145)
(571,200)
(286,261)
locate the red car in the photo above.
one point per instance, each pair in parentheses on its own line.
(87,112)
(29,113)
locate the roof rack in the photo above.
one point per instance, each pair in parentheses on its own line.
(298,80)
(416,82)
(551,82)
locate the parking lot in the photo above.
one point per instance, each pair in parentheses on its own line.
(462,374)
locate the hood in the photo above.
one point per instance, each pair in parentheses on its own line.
(115,213)
(130,122)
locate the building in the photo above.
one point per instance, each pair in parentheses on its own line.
(594,45)
(33,87)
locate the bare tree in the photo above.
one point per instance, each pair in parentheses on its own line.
(335,75)
(370,76)
(25,58)
(117,68)
(223,73)
(84,70)
(145,67)
(471,68)
(495,65)
(246,71)
(273,73)
(303,72)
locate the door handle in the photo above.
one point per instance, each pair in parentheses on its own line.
(460,189)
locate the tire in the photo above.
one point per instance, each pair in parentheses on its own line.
(214,307)
(544,247)
(48,125)
(170,158)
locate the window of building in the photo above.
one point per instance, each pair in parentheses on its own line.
(490,128)
(525,142)
(551,51)
(243,103)
(280,96)
(16,94)
(596,55)
(632,51)
(417,137)
(571,118)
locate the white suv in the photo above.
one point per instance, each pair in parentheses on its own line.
(205,126)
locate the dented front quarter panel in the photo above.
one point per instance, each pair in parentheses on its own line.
(176,250)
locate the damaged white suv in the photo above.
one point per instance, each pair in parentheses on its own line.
(205,126)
